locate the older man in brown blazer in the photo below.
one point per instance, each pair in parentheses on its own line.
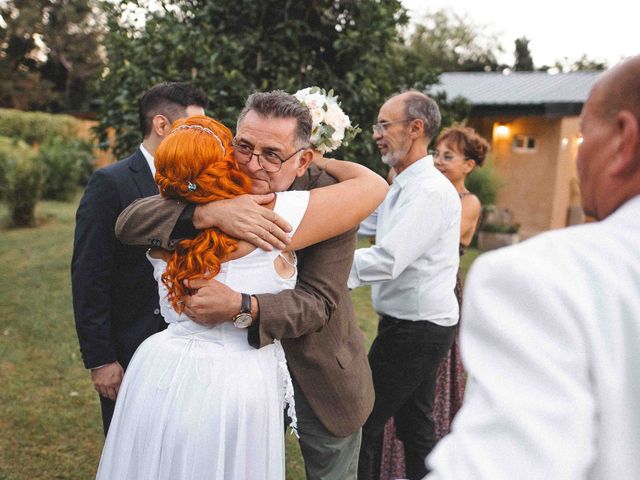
(315,321)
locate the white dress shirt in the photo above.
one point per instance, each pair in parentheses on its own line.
(414,263)
(550,338)
(367,227)
(149,158)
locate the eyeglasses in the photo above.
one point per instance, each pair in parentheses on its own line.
(269,161)
(383,126)
(447,157)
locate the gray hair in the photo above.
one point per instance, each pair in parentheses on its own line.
(280,104)
(420,106)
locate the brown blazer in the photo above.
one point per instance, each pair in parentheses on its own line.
(315,321)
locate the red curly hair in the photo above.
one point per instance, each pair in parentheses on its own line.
(195,163)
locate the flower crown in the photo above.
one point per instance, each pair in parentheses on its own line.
(330,126)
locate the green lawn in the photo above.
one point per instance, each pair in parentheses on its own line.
(49,412)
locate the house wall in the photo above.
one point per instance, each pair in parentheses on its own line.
(540,186)
(566,202)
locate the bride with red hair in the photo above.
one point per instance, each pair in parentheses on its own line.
(199,402)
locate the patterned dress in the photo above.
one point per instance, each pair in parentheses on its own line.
(450,379)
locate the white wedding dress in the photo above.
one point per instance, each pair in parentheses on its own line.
(200,403)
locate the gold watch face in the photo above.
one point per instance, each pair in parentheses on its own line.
(242,320)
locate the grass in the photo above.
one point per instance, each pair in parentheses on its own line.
(49,412)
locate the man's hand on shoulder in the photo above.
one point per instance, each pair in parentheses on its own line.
(245,218)
(107,379)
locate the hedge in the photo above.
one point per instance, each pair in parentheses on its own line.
(36,127)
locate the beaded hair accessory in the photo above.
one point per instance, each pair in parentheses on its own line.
(201,129)
(190,185)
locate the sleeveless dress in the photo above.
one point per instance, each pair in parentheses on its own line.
(451,377)
(199,402)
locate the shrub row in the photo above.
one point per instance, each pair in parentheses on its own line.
(40,156)
(36,127)
(52,171)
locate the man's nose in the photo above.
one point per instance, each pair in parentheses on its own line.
(376,135)
(254,165)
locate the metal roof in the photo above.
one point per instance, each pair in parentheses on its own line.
(518,88)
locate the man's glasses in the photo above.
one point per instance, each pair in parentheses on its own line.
(382,127)
(269,161)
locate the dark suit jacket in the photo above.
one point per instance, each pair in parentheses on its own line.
(324,346)
(115,298)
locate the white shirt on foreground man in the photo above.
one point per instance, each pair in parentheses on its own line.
(552,351)
(550,332)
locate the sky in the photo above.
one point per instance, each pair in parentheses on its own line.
(605,30)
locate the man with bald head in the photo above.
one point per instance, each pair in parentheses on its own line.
(412,269)
(551,330)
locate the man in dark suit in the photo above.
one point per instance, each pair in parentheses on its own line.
(316,322)
(115,297)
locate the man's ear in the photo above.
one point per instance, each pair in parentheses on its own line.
(627,149)
(304,161)
(160,125)
(416,128)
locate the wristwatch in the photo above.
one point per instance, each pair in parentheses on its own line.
(244,318)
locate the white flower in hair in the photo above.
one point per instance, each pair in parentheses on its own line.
(331,127)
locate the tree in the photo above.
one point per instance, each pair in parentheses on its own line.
(583,63)
(21,86)
(449,42)
(49,53)
(346,45)
(523,60)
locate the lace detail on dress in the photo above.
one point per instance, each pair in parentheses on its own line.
(287,387)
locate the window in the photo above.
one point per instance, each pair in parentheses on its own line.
(524,143)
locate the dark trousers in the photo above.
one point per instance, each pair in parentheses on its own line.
(107,406)
(404,358)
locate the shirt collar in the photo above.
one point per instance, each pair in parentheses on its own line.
(413,170)
(149,158)
(629,205)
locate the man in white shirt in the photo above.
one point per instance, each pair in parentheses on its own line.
(551,331)
(412,268)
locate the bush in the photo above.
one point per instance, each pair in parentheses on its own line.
(22,180)
(484,182)
(36,127)
(500,228)
(498,220)
(6,145)
(66,164)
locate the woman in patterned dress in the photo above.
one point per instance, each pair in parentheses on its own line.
(458,151)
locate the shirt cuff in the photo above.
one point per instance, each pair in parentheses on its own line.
(353,281)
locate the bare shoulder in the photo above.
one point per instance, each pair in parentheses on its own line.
(471,202)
